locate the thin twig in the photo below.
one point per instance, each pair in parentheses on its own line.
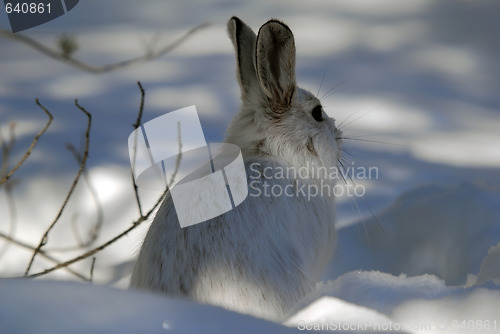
(104,245)
(42,253)
(33,143)
(136,125)
(141,106)
(44,239)
(149,55)
(94,232)
(91,278)
(93,192)
(179,156)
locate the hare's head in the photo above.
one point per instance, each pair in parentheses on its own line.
(277,118)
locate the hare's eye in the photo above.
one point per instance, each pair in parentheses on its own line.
(317,113)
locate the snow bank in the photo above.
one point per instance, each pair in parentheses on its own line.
(369,302)
(375,301)
(54,307)
(435,229)
(490,268)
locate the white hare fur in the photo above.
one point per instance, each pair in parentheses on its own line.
(266,254)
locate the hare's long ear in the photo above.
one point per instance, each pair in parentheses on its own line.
(243,39)
(275,58)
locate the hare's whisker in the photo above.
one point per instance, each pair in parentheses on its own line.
(332,90)
(379,225)
(356,203)
(322,79)
(363,222)
(342,174)
(348,153)
(342,125)
(370,140)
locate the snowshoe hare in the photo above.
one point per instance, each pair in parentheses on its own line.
(269,252)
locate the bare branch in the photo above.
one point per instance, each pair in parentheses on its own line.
(179,156)
(82,159)
(136,125)
(134,225)
(104,245)
(92,270)
(44,239)
(63,57)
(33,143)
(141,106)
(94,231)
(42,253)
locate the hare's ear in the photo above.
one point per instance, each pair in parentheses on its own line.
(275,58)
(243,39)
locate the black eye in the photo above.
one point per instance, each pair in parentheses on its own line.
(317,113)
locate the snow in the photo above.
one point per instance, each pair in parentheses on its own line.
(369,302)
(419,253)
(434,229)
(490,267)
(70,307)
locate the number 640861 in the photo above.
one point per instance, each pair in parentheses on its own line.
(27,8)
